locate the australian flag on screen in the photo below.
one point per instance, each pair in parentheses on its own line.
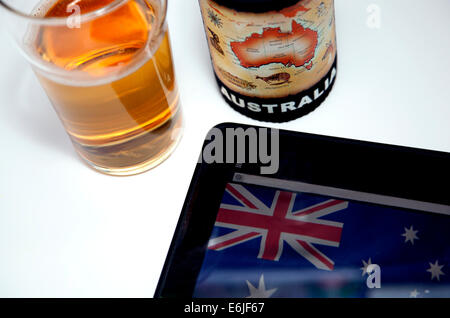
(274,243)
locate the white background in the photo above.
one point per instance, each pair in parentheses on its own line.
(68,231)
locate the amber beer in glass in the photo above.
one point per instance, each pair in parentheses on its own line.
(106,66)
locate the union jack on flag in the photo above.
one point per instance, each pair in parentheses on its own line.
(279,223)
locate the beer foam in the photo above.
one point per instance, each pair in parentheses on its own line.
(42,8)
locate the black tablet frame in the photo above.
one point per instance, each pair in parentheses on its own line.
(402,172)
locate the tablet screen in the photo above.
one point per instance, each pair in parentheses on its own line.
(281,238)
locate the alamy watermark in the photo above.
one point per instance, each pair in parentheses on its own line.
(374,17)
(374,278)
(74,20)
(239,146)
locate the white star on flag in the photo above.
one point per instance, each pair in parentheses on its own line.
(410,235)
(414,294)
(435,270)
(365,266)
(261,291)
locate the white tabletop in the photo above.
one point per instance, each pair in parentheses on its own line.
(68,231)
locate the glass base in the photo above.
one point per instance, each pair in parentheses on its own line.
(136,155)
(137,169)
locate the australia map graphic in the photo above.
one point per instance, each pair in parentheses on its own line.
(294,48)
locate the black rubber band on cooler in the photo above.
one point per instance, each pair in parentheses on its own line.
(279,114)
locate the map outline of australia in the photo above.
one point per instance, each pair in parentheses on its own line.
(294,48)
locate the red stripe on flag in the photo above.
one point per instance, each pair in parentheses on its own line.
(271,223)
(317,255)
(319,207)
(272,243)
(238,195)
(233,240)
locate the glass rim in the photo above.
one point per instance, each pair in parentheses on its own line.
(84,17)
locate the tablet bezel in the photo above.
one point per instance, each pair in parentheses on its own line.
(379,169)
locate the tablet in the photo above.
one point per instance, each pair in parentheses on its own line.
(273,213)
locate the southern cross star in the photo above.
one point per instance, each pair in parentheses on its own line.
(435,270)
(410,235)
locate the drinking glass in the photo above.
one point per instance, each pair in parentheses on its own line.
(106,66)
